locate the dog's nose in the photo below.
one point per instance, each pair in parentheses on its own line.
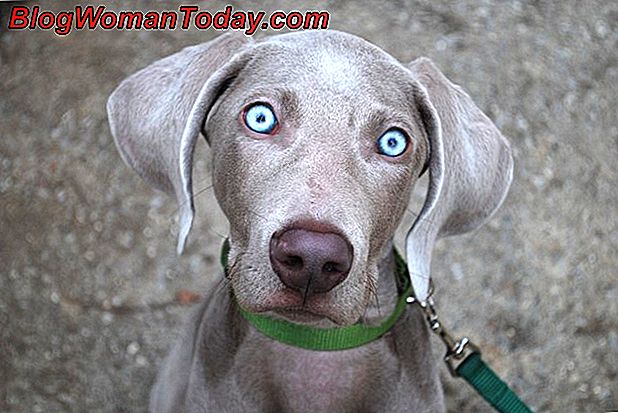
(310,261)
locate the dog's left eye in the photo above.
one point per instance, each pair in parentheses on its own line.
(260,118)
(392,143)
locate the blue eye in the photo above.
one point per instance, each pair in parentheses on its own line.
(393,143)
(260,118)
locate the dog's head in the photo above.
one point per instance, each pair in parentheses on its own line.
(317,140)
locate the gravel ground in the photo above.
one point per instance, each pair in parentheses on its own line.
(89,279)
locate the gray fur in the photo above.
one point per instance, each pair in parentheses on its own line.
(334,95)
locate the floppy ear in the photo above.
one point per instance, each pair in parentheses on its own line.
(156,115)
(470,168)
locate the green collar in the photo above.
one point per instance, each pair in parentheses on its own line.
(327,339)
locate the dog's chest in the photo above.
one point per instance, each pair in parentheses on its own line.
(342,381)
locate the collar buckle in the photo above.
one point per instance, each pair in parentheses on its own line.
(457,350)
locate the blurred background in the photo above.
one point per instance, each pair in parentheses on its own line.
(92,293)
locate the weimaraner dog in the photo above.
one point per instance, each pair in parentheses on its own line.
(317,139)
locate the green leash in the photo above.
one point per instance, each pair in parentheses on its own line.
(489,386)
(462,357)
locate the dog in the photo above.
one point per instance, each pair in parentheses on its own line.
(317,139)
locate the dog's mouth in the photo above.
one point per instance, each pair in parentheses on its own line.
(292,306)
(323,311)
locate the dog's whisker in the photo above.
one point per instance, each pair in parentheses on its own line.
(195,194)
(217,233)
(373,292)
(425,218)
(201,191)
(222,284)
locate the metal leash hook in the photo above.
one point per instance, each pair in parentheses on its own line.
(457,351)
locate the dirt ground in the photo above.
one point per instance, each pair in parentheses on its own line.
(89,278)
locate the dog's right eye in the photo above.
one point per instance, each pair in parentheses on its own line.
(260,118)
(393,143)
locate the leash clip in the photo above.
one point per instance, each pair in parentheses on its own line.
(457,350)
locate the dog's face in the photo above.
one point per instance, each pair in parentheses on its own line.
(317,139)
(338,149)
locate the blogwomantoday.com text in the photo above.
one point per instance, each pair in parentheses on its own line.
(185,17)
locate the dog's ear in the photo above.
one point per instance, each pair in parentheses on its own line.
(156,114)
(470,168)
